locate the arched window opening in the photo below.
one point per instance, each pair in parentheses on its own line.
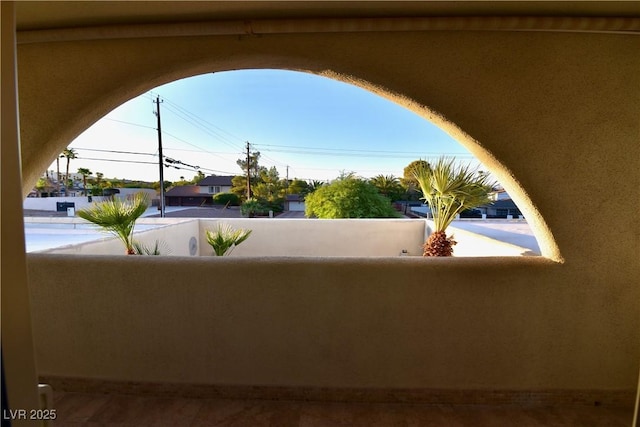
(298,131)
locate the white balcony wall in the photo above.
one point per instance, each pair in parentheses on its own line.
(289,237)
(336,237)
(173,235)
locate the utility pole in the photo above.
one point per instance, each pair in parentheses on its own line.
(248,172)
(161,161)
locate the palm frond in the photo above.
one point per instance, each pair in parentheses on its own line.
(224,238)
(157,249)
(449,189)
(118,216)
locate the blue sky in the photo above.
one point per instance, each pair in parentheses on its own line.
(316,126)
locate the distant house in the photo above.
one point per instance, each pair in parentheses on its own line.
(198,195)
(294,202)
(499,194)
(501,209)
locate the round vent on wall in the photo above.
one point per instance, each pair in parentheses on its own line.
(193,246)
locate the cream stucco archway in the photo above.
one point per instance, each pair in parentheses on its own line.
(134,85)
(552,101)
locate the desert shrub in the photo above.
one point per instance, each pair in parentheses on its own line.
(224,198)
(348,198)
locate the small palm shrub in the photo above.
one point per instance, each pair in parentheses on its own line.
(118,217)
(224,238)
(157,248)
(449,189)
(253,207)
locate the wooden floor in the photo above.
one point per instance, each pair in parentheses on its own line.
(78,409)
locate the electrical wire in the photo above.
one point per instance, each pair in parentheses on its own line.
(118,161)
(114,151)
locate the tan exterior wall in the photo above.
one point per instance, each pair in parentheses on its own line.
(553,115)
(18,361)
(394,322)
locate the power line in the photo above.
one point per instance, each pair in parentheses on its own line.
(200,123)
(207,126)
(360,154)
(206,123)
(129,123)
(343,149)
(118,161)
(167,164)
(200,149)
(115,151)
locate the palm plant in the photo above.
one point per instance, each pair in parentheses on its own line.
(85,173)
(225,238)
(449,189)
(118,217)
(68,153)
(142,249)
(314,184)
(388,185)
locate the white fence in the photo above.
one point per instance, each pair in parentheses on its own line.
(50,203)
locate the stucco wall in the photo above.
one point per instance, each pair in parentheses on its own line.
(401,322)
(171,235)
(298,237)
(553,115)
(344,237)
(50,203)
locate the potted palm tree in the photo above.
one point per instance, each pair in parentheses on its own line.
(119,217)
(224,238)
(449,188)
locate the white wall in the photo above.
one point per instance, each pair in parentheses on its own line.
(49,203)
(173,235)
(317,237)
(292,237)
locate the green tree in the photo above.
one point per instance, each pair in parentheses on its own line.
(85,173)
(98,184)
(449,189)
(313,185)
(269,187)
(155,185)
(408,180)
(254,168)
(118,217)
(239,186)
(41,185)
(389,186)
(348,198)
(230,199)
(197,178)
(181,183)
(68,153)
(298,186)
(58,176)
